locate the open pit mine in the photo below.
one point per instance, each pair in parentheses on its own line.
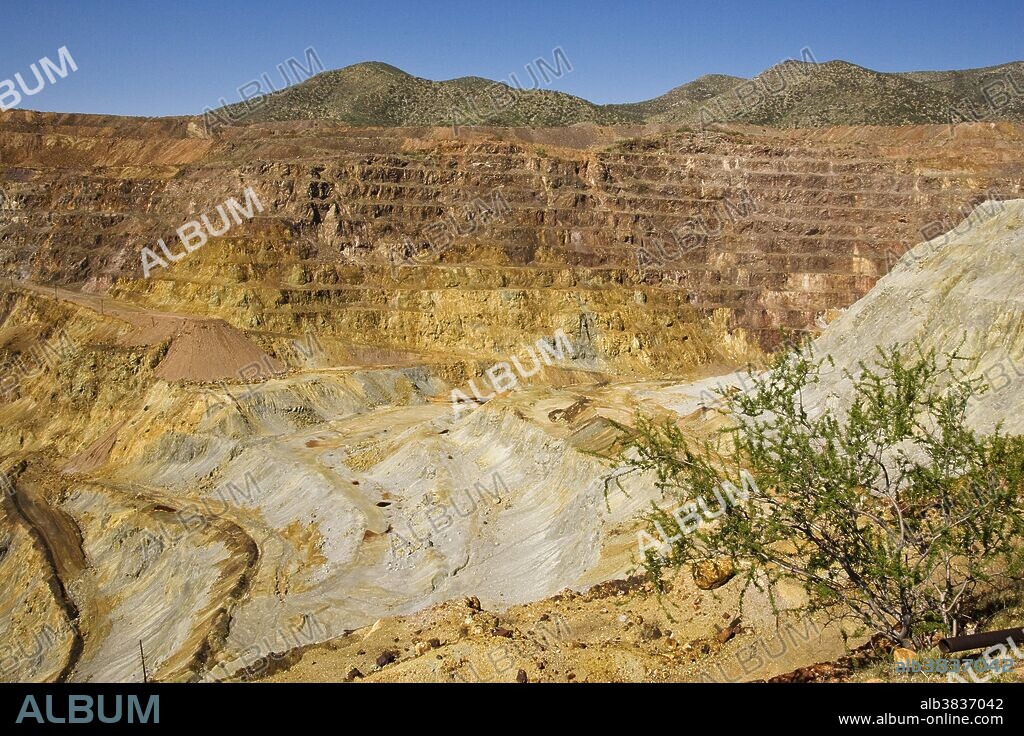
(362,430)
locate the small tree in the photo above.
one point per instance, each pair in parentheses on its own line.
(892,512)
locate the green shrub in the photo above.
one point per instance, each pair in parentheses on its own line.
(893,512)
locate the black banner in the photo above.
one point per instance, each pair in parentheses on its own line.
(792,707)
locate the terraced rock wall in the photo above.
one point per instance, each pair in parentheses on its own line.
(416,239)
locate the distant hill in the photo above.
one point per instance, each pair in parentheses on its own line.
(808,95)
(681,100)
(376,94)
(986,88)
(791,94)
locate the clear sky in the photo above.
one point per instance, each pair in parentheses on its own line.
(139,57)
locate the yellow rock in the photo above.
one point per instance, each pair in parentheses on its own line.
(904,655)
(713,573)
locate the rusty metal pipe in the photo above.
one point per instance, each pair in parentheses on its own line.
(980,641)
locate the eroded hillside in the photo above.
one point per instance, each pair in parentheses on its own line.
(254,450)
(421,240)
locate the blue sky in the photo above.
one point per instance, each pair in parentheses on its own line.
(179,56)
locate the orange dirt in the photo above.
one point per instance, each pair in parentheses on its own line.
(213,350)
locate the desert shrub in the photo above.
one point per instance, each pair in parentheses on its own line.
(892,511)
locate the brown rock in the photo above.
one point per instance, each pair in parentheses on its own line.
(473,602)
(650,631)
(727,633)
(904,655)
(353,674)
(387,657)
(712,574)
(521,676)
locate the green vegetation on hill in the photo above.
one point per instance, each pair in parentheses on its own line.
(375,94)
(994,91)
(682,100)
(791,94)
(807,95)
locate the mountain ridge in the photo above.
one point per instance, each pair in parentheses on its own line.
(787,95)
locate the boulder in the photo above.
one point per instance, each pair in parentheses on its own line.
(711,574)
